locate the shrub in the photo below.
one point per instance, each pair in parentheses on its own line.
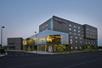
(2,51)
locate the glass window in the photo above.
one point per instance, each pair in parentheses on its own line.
(70,32)
(74,26)
(75,34)
(79,27)
(81,42)
(76,37)
(78,31)
(71,37)
(74,30)
(80,38)
(76,41)
(71,47)
(78,34)
(76,47)
(70,25)
(70,40)
(70,29)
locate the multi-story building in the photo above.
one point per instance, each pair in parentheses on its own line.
(78,34)
(15,43)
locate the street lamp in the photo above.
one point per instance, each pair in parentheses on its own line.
(2,27)
(36,41)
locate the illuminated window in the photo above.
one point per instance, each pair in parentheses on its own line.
(54,39)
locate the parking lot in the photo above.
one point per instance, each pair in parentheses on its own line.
(29,60)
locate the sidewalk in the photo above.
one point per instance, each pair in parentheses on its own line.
(40,52)
(51,53)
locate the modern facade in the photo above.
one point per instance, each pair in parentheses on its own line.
(78,35)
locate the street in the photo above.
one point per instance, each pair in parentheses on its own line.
(28,60)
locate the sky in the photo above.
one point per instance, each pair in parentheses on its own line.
(22,18)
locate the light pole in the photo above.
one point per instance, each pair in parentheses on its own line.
(36,41)
(2,27)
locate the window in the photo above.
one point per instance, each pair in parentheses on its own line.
(70,25)
(79,27)
(71,47)
(70,32)
(80,38)
(70,41)
(78,34)
(74,30)
(71,37)
(74,26)
(81,42)
(76,37)
(76,41)
(78,31)
(70,29)
(75,34)
(76,47)
(80,47)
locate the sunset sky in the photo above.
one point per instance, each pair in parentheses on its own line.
(22,18)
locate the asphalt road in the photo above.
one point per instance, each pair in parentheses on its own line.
(77,60)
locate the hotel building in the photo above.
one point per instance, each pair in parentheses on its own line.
(73,34)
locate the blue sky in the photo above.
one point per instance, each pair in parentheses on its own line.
(22,17)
